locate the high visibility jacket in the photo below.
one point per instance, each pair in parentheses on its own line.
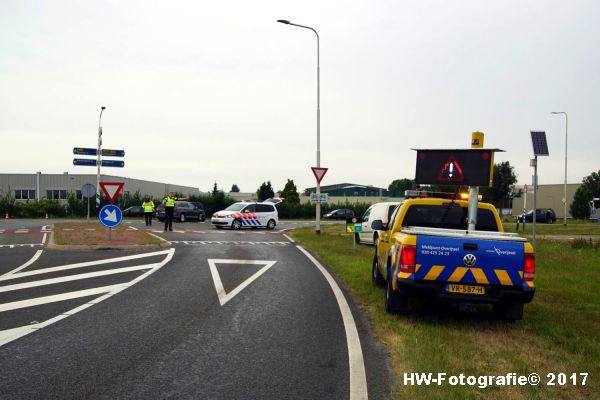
(169,201)
(148,206)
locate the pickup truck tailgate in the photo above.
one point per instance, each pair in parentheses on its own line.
(469,261)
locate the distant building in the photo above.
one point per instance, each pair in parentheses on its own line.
(352,190)
(27,187)
(548,196)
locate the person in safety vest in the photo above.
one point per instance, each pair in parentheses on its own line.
(148,206)
(169,203)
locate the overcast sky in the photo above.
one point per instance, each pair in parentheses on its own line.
(205,91)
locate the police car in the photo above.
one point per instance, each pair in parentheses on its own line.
(240,215)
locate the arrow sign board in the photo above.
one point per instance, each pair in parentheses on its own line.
(319,173)
(110,215)
(111,190)
(86,151)
(469,167)
(87,162)
(90,162)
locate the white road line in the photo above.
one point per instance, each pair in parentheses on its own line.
(133,228)
(225,297)
(9,335)
(27,264)
(289,238)
(76,277)
(44,238)
(358,378)
(81,265)
(47,227)
(22,231)
(67,229)
(12,246)
(56,297)
(158,237)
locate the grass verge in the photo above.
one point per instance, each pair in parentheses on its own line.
(94,234)
(559,332)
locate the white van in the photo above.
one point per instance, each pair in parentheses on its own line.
(382,211)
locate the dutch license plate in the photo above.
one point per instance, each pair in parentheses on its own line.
(465,289)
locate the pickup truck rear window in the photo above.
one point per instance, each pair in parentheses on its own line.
(449,217)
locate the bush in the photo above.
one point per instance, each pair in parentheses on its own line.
(582,243)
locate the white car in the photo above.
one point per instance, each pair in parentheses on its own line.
(242,215)
(382,211)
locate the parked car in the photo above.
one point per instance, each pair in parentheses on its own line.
(381,211)
(546,215)
(342,213)
(134,211)
(243,214)
(184,211)
(201,208)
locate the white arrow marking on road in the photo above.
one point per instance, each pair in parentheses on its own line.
(110,215)
(225,297)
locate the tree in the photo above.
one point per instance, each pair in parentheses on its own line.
(215,190)
(501,190)
(265,191)
(400,185)
(290,192)
(590,188)
(235,188)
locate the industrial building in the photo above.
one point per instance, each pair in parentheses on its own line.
(28,187)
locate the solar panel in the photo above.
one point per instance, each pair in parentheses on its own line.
(540,145)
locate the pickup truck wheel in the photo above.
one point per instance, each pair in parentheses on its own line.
(394,301)
(509,311)
(375,275)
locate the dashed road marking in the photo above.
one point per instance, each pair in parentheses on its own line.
(229,242)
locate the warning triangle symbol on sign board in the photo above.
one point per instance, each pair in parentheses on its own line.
(319,173)
(451,171)
(111,190)
(224,297)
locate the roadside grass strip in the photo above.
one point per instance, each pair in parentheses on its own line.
(559,332)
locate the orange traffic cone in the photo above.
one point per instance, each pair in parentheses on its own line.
(6,216)
(46,217)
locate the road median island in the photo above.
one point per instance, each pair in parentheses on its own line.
(558,334)
(95,236)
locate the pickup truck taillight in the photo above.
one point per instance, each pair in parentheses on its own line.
(529,267)
(408,256)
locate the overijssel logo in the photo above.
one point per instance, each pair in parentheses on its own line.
(469,260)
(503,252)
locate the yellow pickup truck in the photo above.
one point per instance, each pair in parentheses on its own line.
(426,250)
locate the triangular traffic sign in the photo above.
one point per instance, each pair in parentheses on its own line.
(224,297)
(111,190)
(319,173)
(451,171)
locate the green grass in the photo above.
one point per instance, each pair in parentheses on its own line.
(557,228)
(559,332)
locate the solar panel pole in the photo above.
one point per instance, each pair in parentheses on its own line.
(534,162)
(476,143)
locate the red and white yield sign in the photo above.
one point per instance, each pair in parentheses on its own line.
(319,173)
(112,190)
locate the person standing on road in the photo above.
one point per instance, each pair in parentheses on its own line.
(169,203)
(148,206)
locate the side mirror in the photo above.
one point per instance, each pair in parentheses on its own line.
(377,225)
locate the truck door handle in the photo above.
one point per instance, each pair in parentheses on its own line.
(470,246)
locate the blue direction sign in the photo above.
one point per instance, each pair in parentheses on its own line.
(113,153)
(90,162)
(83,151)
(110,215)
(86,151)
(113,163)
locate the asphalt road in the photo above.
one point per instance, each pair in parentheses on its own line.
(218,315)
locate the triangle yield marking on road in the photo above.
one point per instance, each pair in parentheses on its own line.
(225,297)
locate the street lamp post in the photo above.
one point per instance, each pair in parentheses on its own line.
(565,188)
(318,205)
(99,161)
